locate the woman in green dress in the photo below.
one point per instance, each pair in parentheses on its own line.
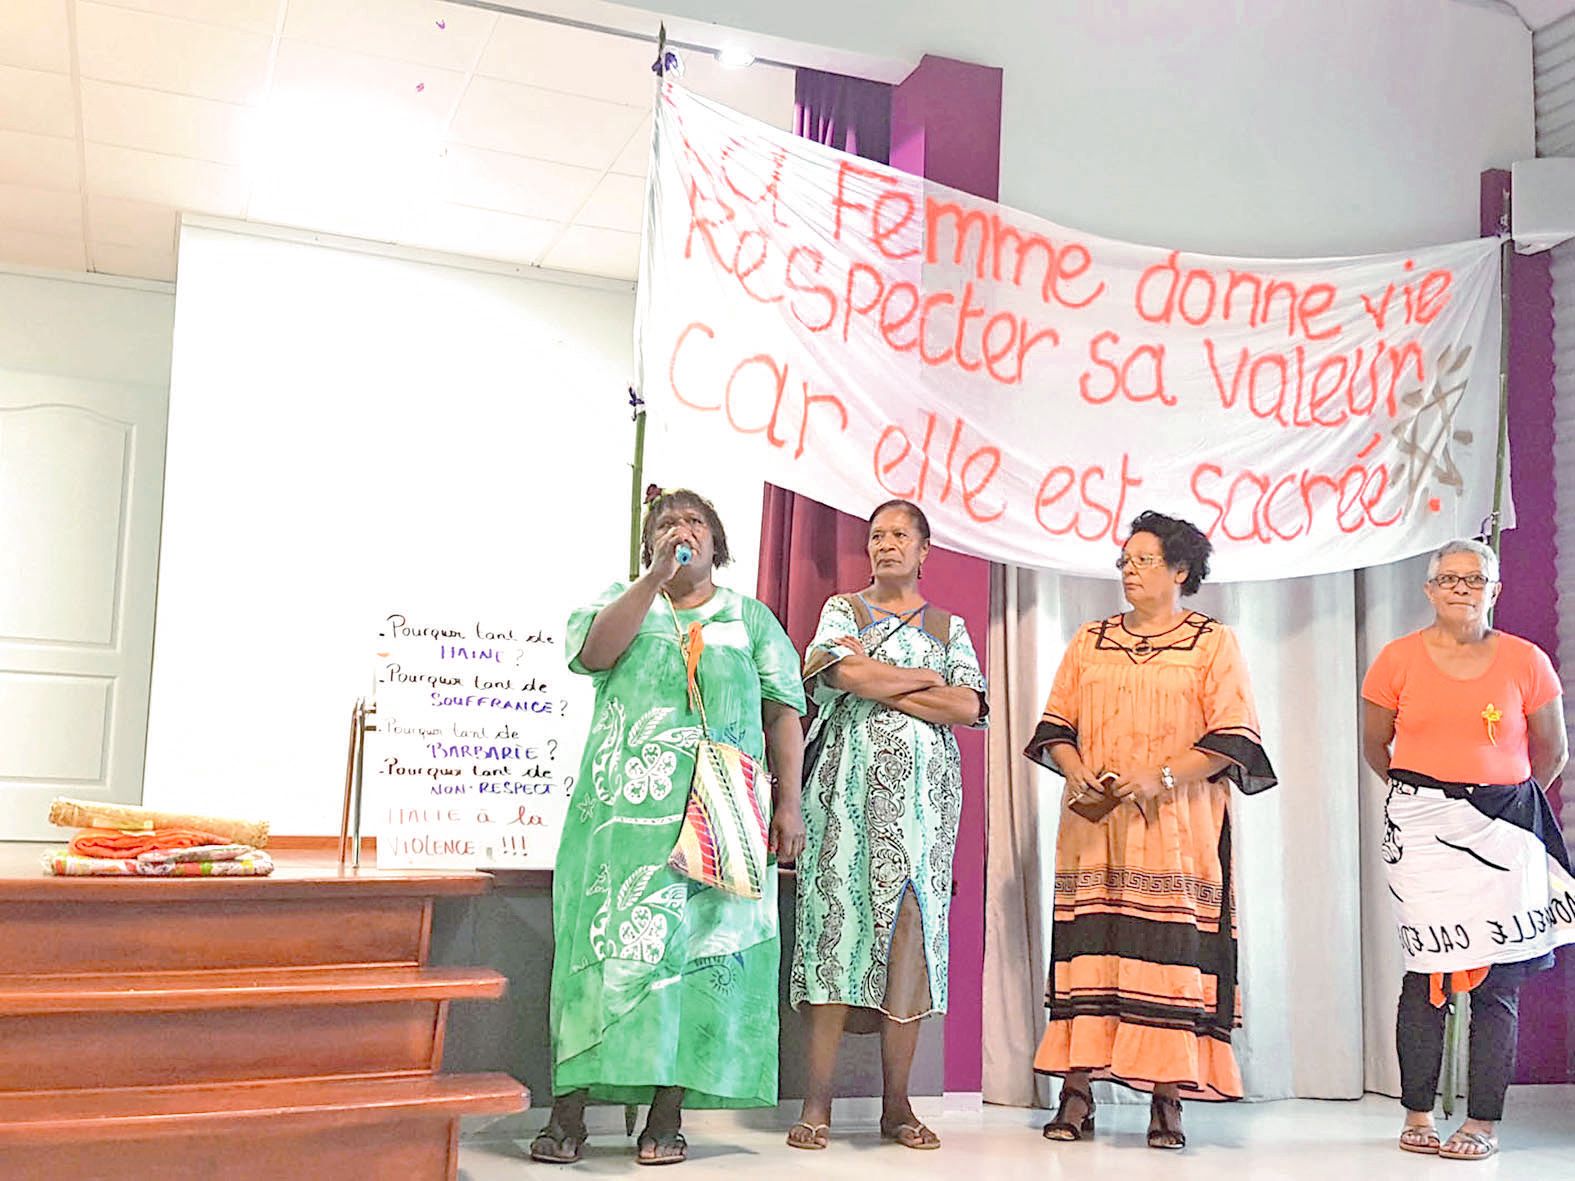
(665,991)
(892,675)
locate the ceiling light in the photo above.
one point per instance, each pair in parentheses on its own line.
(734,57)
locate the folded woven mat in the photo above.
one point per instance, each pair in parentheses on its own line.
(70,813)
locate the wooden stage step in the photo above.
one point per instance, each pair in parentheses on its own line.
(300,1128)
(159,992)
(249,1029)
(131,1113)
(152,1029)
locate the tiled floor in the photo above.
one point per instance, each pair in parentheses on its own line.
(1319,1141)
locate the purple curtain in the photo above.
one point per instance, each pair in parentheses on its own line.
(809,552)
(849,114)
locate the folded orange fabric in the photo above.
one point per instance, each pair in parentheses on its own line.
(1439,991)
(106,842)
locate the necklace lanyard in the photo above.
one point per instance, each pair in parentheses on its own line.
(690,646)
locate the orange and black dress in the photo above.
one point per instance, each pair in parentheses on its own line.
(1143,987)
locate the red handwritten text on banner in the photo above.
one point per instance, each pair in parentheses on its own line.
(854,333)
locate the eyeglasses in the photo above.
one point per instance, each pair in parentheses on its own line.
(1140,561)
(1451,581)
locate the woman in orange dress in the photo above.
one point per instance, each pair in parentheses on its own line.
(1151,715)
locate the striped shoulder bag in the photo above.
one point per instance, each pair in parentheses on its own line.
(723,841)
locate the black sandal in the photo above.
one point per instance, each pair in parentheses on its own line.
(1163,1136)
(1061,1128)
(554,1146)
(670,1148)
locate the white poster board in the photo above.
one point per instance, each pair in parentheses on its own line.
(479,729)
(353,434)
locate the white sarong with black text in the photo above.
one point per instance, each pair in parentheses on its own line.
(1479,874)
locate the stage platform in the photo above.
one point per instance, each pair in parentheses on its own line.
(1295,1140)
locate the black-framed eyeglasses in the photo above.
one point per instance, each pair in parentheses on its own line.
(1451,581)
(1139,561)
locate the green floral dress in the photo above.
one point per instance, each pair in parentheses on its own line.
(657,981)
(881,810)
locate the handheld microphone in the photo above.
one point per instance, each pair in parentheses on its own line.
(684,554)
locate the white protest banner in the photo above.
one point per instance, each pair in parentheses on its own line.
(854,333)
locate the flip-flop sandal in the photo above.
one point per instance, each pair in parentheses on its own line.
(671,1148)
(1487,1144)
(910,1136)
(554,1146)
(1419,1139)
(819,1136)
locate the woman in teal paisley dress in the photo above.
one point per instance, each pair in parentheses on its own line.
(892,675)
(664,991)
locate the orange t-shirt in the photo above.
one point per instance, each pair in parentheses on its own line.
(1439,725)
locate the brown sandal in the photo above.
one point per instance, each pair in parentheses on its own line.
(1164,1136)
(1061,1128)
(667,1148)
(554,1146)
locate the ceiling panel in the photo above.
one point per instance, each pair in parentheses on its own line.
(572,61)
(543,124)
(377,216)
(514,184)
(617,204)
(197,185)
(256,16)
(39,161)
(35,34)
(42,250)
(426,32)
(319,89)
(611,253)
(118,222)
(35,101)
(483,233)
(635,159)
(172,124)
(41,211)
(177,56)
(133,263)
(420,122)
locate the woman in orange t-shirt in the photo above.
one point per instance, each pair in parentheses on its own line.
(1465,723)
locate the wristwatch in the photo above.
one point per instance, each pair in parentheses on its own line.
(1167,778)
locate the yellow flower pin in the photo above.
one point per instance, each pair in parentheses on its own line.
(1492,715)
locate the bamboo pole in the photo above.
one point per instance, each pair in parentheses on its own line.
(1459,1003)
(636,487)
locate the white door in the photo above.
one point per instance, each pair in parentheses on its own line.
(81,487)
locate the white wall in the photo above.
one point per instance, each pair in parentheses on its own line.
(86,326)
(1259,127)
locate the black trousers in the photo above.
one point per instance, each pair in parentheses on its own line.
(1419,1035)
